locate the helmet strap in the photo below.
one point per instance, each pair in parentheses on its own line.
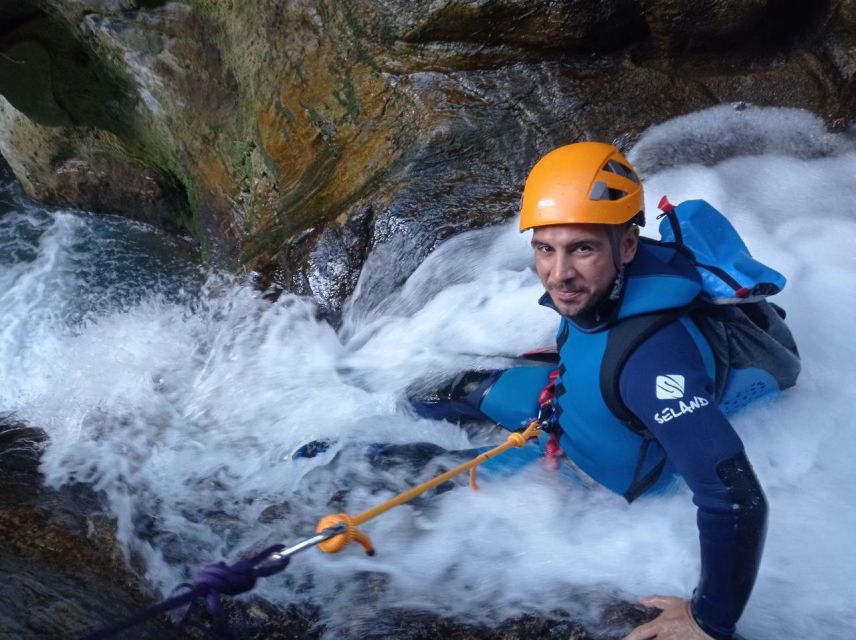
(618,285)
(615,234)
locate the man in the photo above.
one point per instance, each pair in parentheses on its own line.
(584,203)
(642,385)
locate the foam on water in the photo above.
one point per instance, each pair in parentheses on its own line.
(185,407)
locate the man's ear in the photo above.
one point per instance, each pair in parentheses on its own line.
(629,244)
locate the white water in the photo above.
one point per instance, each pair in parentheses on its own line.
(183,401)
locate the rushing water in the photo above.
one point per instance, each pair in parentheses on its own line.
(182,396)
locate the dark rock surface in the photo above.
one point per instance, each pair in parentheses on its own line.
(62,572)
(296,138)
(259,620)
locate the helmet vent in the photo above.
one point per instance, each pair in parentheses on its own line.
(613,166)
(600,191)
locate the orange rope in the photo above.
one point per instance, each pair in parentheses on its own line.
(339,542)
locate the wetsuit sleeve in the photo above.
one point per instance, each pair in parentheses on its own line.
(665,384)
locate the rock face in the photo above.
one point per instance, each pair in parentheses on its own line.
(62,573)
(295,137)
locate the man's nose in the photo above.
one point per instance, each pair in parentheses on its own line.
(563,268)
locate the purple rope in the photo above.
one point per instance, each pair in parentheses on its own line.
(210,583)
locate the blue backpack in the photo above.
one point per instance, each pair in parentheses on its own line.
(729,273)
(754,351)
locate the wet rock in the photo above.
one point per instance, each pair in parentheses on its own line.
(100,176)
(257,619)
(297,139)
(711,25)
(556,625)
(274,513)
(364,620)
(63,573)
(687,24)
(840,46)
(575,25)
(334,264)
(804,77)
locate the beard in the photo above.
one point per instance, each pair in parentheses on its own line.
(585,304)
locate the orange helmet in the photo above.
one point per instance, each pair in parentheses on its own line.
(586,182)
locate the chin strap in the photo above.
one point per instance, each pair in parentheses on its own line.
(618,285)
(614,245)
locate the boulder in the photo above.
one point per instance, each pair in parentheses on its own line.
(88,168)
(63,572)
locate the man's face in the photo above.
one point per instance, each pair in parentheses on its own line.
(574,262)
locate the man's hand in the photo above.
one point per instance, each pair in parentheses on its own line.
(675,623)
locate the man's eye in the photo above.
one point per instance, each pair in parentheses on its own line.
(585,248)
(543,248)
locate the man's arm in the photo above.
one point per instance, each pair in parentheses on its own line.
(664,384)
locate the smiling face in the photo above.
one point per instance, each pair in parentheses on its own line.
(574,262)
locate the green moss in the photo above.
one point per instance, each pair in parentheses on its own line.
(386,33)
(315,118)
(358,32)
(190,218)
(293,213)
(346,95)
(323,10)
(356,27)
(242,161)
(244,151)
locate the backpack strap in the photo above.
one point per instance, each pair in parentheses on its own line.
(668,209)
(624,338)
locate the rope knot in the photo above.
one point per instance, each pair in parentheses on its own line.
(240,577)
(342,540)
(517,439)
(212,581)
(230,580)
